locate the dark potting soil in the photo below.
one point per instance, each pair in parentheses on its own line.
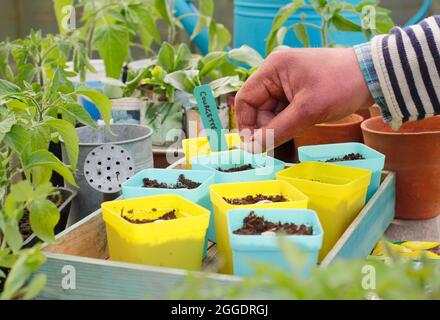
(182,183)
(254,225)
(167,216)
(244,167)
(436,250)
(25,224)
(347,157)
(255,199)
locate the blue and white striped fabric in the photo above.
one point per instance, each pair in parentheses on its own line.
(407,63)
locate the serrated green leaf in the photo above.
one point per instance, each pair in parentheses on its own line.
(301,34)
(343,24)
(80,114)
(17,138)
(70,137)
(112,42)
(22,191)
(7,88)
(102,103)
(166,56)
(43,158)
(212,61)
(280,19)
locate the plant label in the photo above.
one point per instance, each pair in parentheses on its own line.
(210,118)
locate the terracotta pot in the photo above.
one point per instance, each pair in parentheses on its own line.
(413,153)
(345,130)
(364,113)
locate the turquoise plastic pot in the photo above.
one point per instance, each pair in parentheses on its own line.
(265,167)
(132,188)
(374,160)
(248,250)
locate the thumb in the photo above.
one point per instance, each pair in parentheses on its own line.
(288,124)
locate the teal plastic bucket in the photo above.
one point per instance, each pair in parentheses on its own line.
(253,22)
(265,167)
(133,188)
(374,160)
(249,249)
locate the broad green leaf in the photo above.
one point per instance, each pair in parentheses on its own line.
(166,56)
(80,114)
(206,7)
(202,23)
(343,24)
(44,216)
(28,262)
(247,55)
(183,57)
(102,103)
(212,61)
(281,35)
(7,88)
(112,42)
(43,158)
(36,285)
(22,191)
(12,235)
(384,24)
(17,138)
(6,124)
(161,6)
(219,37)
(301,34)
(183,80)
(280,19)
(60,13)
(71,141)
(225,85)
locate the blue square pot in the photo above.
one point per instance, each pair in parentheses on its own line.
(249,249)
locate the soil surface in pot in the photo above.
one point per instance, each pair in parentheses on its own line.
(435,250)
(347,157)
(182,183)
(254,225)
(171,215)
(25,224)
(244,167)
(255,199)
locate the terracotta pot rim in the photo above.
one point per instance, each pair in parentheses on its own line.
(393,133)
(359,119)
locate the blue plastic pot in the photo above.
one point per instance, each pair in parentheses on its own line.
(265,167)
(374,160)
(133,188)
(248,250)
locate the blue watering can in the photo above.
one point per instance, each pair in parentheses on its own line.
(253,21)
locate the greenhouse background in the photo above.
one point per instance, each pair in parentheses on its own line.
(18,17)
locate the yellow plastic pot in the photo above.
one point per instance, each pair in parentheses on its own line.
(174,243)
(195,147)
(296,199)
(336,193)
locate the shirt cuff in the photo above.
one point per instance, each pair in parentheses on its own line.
(365,59)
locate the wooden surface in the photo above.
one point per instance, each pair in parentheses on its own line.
(83,246)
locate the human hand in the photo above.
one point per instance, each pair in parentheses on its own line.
(295,89)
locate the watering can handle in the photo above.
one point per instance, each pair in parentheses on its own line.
(421,14)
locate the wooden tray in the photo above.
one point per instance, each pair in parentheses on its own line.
(83,246)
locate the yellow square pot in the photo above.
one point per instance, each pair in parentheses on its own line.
(336,193)
(296,199)
(174,243)
(195,147)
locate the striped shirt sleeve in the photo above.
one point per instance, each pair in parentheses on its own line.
(407,63)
